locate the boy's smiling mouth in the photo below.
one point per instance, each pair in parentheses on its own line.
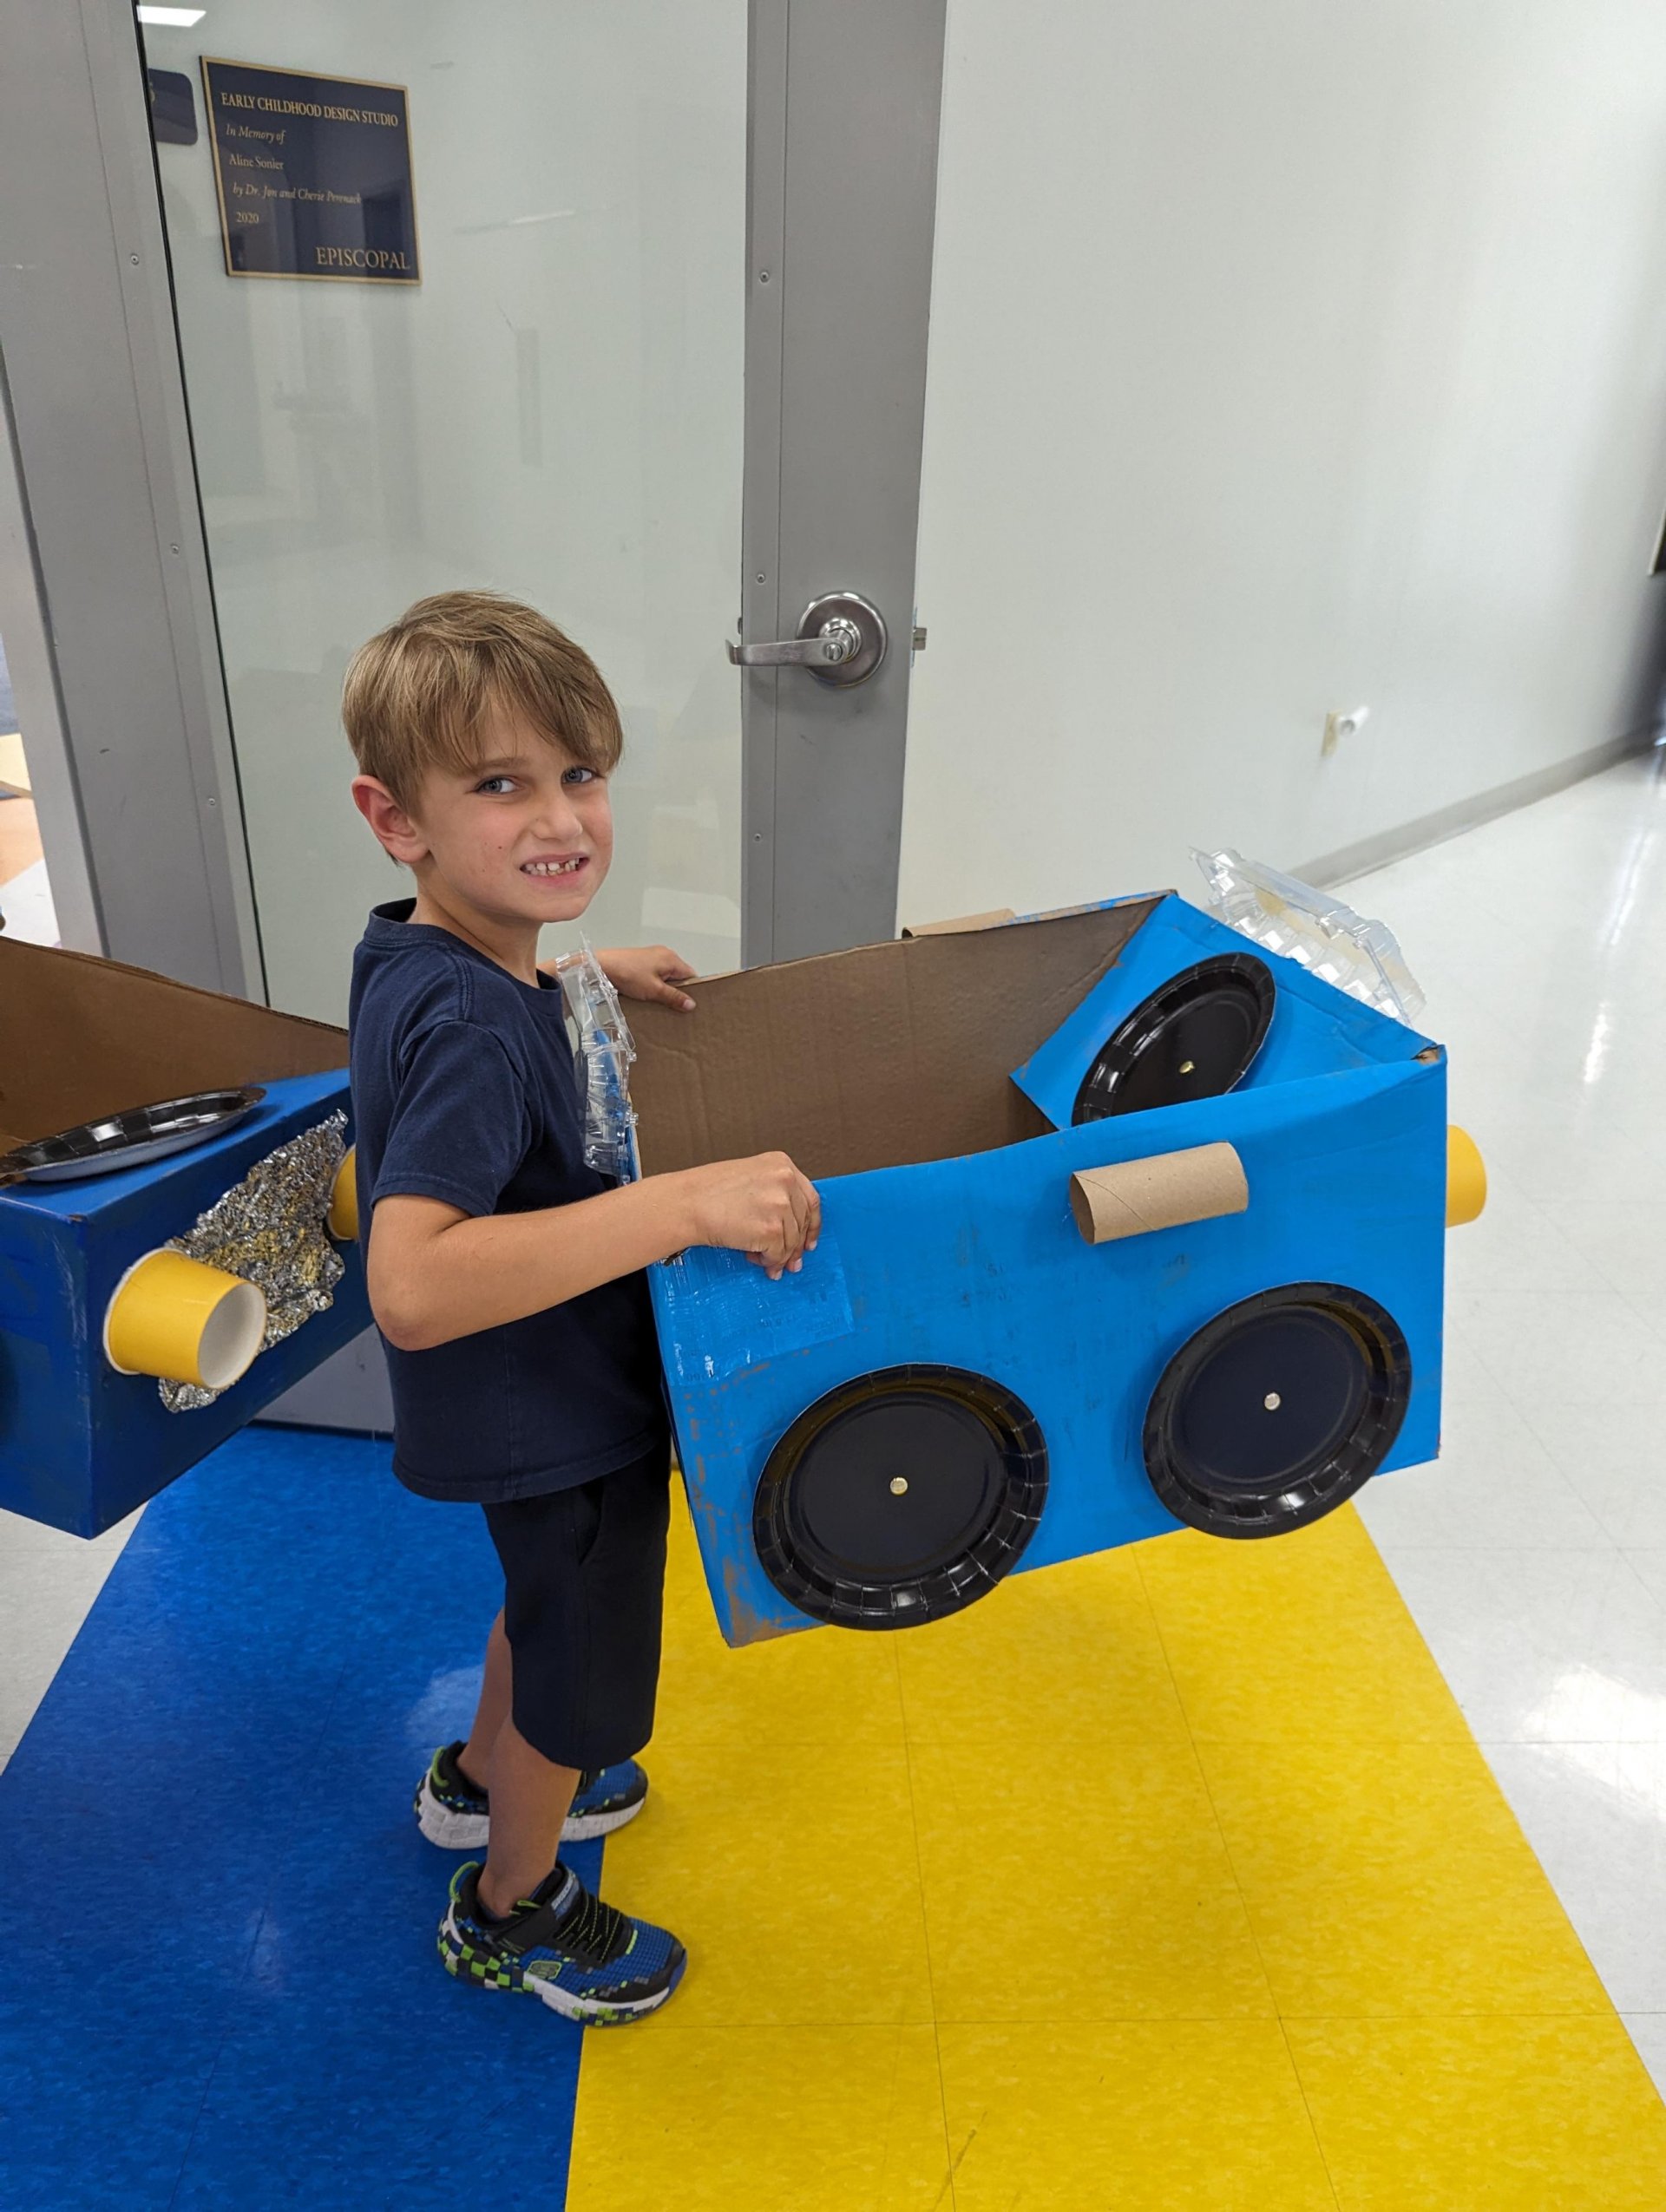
(570,866)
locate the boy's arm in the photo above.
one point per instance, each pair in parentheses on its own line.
(437,1273)
(651,971)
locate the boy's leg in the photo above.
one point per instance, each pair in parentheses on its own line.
(584,1604)
(495,1693)
(584,1570)
(530,1794)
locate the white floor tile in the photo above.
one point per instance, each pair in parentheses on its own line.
(1651,1566)
(1555,1165)
(1596,1816)
(1539,1345)
(1494,1483)
(1613,1456)
(1647,2031)
(1542,1646)
(48,1583)
(1518,1245)
(1623,1239)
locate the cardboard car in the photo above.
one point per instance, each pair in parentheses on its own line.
(1125,1228)
(148,1313)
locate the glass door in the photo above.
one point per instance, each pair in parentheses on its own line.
(541,393)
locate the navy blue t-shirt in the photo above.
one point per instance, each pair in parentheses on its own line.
(465,1089)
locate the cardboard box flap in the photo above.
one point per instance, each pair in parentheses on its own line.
(875,1058)
(997,918)
(81,1038)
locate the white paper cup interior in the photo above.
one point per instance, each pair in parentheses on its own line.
(231,1336)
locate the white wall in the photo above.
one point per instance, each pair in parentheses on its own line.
(555,411)
(1284,357)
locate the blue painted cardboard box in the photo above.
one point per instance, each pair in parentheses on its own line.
(81,1443)
(959,1382)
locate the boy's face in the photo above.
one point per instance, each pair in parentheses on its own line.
(524,838)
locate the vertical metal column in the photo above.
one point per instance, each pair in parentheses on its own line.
(843,167)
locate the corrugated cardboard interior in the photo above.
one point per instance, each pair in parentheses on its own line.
(81,1038)
(874,1059)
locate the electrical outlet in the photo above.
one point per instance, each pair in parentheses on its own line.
(1340,722)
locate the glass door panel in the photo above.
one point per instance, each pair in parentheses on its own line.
(555,410)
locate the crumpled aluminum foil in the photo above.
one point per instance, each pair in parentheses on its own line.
(270,1229)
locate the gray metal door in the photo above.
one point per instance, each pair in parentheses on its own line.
(843,122)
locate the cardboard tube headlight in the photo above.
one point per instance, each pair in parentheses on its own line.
(1163,1192)
(184,1322)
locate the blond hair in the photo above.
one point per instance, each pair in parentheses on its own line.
(418,692)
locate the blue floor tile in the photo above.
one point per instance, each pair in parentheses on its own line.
(222,1985)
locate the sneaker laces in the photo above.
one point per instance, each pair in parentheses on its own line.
(598,1931)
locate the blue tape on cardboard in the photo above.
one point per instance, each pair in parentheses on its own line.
(719,1314)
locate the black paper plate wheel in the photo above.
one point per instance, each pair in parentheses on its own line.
(900,1497)
(1277,1410)
(1196,1037)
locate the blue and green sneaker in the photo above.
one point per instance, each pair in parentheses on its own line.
(452,1813)
(583,1959)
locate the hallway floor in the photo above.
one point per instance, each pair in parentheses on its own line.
(1328,1873)
(1532,1555)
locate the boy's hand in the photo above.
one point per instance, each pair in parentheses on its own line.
(651,971)
(764,1207)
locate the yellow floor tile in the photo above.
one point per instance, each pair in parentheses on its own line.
(1142,2117)
(792,1878)
(824,1685)
(1096,1827)
(1303,1636)
(1483,2116)
(1076,1642)
(1388,1879)
(676,2119)
(1103,1893)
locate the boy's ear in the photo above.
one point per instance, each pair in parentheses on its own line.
(396,831)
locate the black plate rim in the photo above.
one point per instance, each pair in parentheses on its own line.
(1120,1050)
(1322,1491)
(907,1601)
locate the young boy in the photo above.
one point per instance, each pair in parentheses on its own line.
(505,1277)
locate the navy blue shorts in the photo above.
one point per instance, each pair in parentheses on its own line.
(584,1579)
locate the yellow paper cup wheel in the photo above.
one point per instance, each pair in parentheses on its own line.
(184,1322)
(1465,1178)
(344,1200)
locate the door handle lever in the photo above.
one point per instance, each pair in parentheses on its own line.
(835,642)
(841,640)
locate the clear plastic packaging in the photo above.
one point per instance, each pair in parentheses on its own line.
(606,1044)
(1319,933)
